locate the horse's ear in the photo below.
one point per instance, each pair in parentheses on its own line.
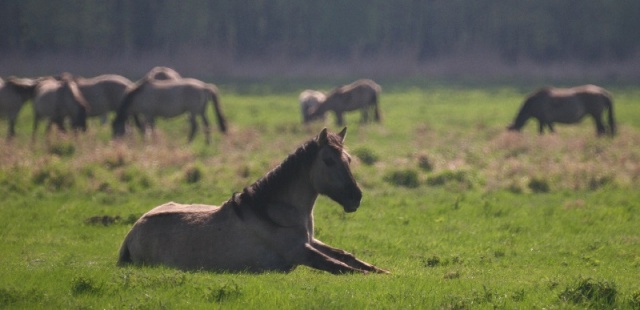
(343,134)
(322,137)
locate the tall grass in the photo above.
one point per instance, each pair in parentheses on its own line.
(463,213)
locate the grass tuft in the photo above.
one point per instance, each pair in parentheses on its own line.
(587,291)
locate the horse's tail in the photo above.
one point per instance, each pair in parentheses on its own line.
(124,257)
(612,123)
(377,116)
(222,122)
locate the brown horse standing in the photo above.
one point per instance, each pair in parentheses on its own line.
(566,105)
(360,95)
(267,227)
(58,99)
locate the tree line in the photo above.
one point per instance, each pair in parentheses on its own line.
(542,30)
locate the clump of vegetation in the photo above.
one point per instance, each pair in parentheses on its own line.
(459,178)
(425,163)
(81,285)
(54,176)
(599,294)
(193,175)
(406,178)
(223,293)
(135,179)
(432,261)
(62,149)
(599,182)
(538,185)
(366,155)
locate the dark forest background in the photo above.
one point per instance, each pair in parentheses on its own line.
(299,37)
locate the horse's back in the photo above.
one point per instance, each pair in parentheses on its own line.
(194,237)
(173,97)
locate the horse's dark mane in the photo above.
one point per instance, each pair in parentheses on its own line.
(257,195)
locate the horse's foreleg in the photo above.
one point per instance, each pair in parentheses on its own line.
(541,127)
(12,128)
(365,116)
(345,257)
(316,259)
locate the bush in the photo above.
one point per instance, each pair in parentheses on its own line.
(367,156)
(425,163)
(451,177)
(538,186)
(406,178)
(193,175)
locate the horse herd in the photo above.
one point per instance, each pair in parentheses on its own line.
(163,92)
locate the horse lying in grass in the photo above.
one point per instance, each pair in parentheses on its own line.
(151,98)
(309,99)
(14,93)
(267,227)
(360,95)
(58,98)
(566,105)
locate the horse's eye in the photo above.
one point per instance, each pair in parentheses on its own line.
(329,161)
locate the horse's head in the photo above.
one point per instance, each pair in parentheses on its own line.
(513,127)
(330,173)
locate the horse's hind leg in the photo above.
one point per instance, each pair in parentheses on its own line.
(207,130)
(194,126)
(600,129)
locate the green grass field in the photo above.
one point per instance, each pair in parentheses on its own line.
(463,213)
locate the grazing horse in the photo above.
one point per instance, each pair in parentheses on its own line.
(267,227)
(104,93)
(170,98)
(566,105)
(359,95)
(308,100)
(14,93)
(162,73)
(57,99)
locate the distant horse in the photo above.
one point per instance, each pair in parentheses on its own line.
(162,73)
(58,99)
(267,227)
(104,93)
(566,105)
(309,99)
(170,98)
(14,93)
(360,95)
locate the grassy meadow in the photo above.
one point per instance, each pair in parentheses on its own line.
(464,214)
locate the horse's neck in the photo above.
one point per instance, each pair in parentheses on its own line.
(298,192)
